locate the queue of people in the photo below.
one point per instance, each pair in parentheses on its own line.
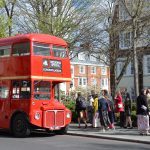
(100,112)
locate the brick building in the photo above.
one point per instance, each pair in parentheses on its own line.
(88,73)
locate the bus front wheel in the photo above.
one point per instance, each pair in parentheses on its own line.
(20,126)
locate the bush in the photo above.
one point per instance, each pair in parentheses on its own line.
(70,104)
(134,118)
(133,106)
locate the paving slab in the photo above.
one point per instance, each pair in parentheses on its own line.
(120,134)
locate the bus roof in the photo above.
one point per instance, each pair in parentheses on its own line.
(35,37)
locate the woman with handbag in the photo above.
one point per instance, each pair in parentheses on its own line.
(119,107)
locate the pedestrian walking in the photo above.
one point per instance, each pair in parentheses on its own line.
(90,110)
(103,110)
(148,97)
(81,109)
(119,107)
(142,113)
(128,108)
(111,112)
(96,120)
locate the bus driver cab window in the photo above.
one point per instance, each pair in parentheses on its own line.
(42,90)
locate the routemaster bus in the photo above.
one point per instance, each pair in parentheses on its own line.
(31,67)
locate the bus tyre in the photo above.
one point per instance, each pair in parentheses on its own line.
(20,126)
(62,130)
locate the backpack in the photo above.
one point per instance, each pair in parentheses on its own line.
(82,103)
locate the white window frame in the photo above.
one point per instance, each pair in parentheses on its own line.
(82,81)
(124,42)
(93,81)
(72,71)
(131,68)
(81,56)
(123,14)
(93,70)
(148,65)
(104,70)
(104,82)
(82,69)
(145,64)
(93,57)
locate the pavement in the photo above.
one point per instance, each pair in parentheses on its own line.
(120,134)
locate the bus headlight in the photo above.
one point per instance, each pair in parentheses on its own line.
(37,116)
(68,115)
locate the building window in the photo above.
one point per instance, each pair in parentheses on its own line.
(82,69)
(132,68)
(119,67)
(71,55)
(104,82)
(125,39)
(148,64)
(82,81)
(81,56)
(93,81)
(133,97)
(92,57)
(104,71)
(123,14)
(72,71)
(93,70)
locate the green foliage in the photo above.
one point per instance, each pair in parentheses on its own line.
(3,27)
(134,118)
(1,3)
(70,104)
(133,106)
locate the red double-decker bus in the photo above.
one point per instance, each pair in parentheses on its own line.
(31,67)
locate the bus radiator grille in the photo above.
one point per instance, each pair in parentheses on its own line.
(54,119)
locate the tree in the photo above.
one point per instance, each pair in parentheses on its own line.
(137,20)
(7,11)
(62,18)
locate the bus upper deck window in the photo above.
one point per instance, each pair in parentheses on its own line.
(41,49)
(5,51)
(59,51)
(21,49)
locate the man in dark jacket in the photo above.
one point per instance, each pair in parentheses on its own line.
(142,113)
(103,110)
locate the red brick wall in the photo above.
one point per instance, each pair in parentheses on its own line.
(89,76)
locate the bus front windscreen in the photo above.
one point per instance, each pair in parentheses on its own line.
(59,51)
(41,49)
(42,90)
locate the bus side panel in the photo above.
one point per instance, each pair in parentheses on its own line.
(4,103)
(15,66)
